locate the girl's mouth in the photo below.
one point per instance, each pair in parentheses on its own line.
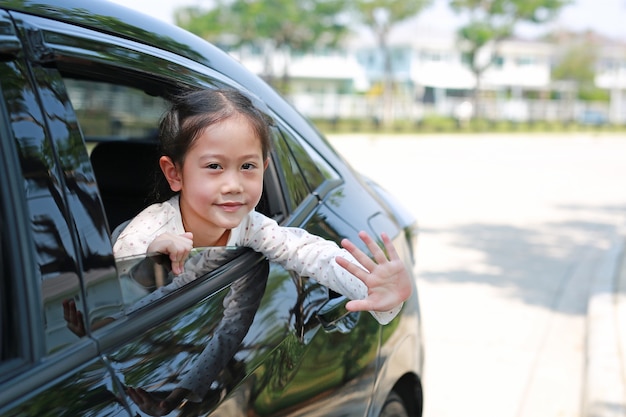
(231,207)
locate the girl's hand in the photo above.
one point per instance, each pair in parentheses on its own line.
(387,280)
(177,247)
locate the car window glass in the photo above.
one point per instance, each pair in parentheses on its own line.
(45,204)
(313,165)
(147,278)
(113,110)
(295,186)
(304,168)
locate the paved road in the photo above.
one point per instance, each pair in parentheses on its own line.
(513,230)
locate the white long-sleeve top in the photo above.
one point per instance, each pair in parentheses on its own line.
(293,248)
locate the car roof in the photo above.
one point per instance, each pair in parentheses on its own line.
(112,18)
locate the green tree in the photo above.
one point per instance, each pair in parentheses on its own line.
(577,64)
(380,16)
(274,26)
(491,21)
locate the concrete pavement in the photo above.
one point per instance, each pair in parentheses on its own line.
(605,391)
(519,251)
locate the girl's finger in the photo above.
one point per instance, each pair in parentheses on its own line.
(353,269)
(358,254)
(377,252)
(392,253)
(359,305)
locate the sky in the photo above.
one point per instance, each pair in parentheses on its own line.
(603,16)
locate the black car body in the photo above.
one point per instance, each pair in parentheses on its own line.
(82,86)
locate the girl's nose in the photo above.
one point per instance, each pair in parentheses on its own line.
(232,183)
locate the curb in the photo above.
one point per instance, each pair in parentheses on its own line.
(605,394)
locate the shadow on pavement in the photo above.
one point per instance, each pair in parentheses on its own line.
(533,264)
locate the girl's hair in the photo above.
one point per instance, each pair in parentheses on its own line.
(191,112)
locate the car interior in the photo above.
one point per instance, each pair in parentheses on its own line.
(126,172)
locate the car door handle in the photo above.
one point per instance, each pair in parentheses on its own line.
(335,318)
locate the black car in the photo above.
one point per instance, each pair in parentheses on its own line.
(82,87)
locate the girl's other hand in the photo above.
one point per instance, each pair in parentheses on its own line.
(387,280)
(177,247)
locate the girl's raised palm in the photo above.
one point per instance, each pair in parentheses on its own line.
(387,280)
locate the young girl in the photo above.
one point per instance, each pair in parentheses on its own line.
(215,147)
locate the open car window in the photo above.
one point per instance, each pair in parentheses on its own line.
(146,278)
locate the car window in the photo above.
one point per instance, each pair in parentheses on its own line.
(124,156)
(304,170)
(148,278)
(295,186)
(118,96)
(41,177)
(114,111)
(120,123)
(315,169)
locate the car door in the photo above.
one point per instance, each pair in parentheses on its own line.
(293,349)
(46,370)
(334,370)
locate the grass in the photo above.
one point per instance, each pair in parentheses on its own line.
(438,124)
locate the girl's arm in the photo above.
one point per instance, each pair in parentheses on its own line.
(381,284)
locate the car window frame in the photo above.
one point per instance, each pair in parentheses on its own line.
(17,257)
(174,71)
(33,362)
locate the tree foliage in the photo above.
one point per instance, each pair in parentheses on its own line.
(284,26)
(380,16)
(491,21)
(577,63)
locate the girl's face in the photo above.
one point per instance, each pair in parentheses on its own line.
(221,180)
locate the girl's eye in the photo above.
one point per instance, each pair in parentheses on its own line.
(247,166)
(213,166)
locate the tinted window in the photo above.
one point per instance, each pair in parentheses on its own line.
(146,279)
(315,169)
(118,96)
(42,183)
(296,188)
(113,110)
(304,169)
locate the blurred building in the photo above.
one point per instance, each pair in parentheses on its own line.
(431,75)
